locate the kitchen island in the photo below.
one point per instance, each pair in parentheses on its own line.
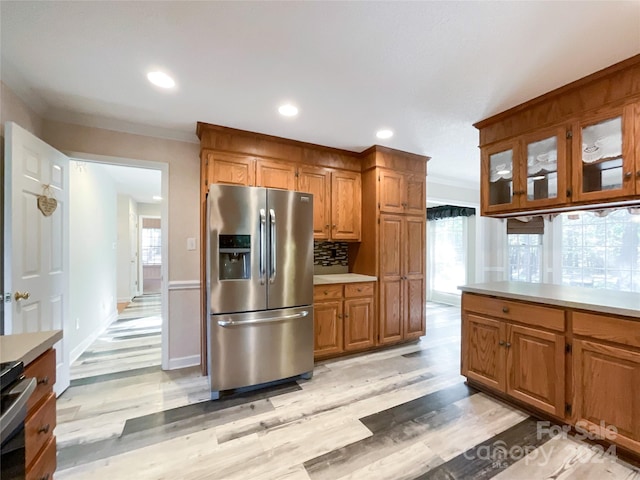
(36,352)
(571,354)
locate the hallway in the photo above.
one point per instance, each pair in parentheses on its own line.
(131,343)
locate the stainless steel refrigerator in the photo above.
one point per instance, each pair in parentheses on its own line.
(260,286)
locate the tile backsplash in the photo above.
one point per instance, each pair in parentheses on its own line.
(329,254)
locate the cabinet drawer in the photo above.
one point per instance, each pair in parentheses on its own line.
(43,369)
(38,428)
(545,317)
(604,327)
(45,464)
(358,290)
(327,292)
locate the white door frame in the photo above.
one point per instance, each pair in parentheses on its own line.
(140,265)
(164,226)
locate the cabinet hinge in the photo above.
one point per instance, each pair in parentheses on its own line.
(378,221)
(569,134)
(378,205)
(567,408)
(378,177)
(297,174)
(568,348)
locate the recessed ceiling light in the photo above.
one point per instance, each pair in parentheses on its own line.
(161,79)
(384,134)
(157,197)
(288,110)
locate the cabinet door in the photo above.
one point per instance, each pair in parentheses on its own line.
(499,187)
(535,368)
(483,351)
(391,283)
(543,168)
(392,195)
(637,140)
(274,174)
(358,323)
(346,210)
(415,192)
(317,181)
(603,156)
(606,382)
(413,242)
(327,327)
(230,169)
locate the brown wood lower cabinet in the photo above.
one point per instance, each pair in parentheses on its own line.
(606,365)
(40,443)
(343,318)
(587,375)
(525,363)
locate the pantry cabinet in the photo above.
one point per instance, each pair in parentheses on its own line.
(402,292)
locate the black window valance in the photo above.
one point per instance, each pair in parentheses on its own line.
(449,211)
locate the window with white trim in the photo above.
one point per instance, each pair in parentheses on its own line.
(525,257)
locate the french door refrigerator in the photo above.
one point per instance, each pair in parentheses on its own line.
(260,286)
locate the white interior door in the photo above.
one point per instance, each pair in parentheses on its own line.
(36,246)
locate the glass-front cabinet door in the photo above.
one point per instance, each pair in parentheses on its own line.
(499,184)
(543,168)
(602,151)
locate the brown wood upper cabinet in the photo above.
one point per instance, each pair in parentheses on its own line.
(574,147)
(525,173)
(276,174)
(401,192)
(605,164)
(337,197)
(229,168)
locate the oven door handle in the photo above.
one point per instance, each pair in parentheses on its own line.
(10,419)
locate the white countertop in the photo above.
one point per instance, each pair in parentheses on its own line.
(26,347)
(596,300)
(342,278)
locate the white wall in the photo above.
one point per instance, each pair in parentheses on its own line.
(123,254)
(149,209)
(92,255)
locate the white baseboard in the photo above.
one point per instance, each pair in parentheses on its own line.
(79,350)
(183,362)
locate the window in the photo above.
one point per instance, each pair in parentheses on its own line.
(151,246)
(448,254)
(601,251)
(525,257)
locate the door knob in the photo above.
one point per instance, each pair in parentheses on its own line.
(21,296)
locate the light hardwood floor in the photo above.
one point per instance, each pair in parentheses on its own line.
(400,413)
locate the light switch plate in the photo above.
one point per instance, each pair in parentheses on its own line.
(191,243)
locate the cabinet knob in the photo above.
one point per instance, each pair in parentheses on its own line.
(43,381)
(638,174)
(44,429)
(44,477)
(334,225)
(627,175)
(505,309)
(339,316)
(327,226)
(501,343)
(507,344)
(346,315)
(326,292)
(359,289)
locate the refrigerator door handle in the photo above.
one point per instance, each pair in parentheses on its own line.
(279,318)
(272,274)
(263,246)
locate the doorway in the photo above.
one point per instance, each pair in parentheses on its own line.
(111,317)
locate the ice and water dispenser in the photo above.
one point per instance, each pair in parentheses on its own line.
(235,257)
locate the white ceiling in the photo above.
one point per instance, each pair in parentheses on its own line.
(141,184)
(427,70)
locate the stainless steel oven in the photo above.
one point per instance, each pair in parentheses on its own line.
(15,391)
